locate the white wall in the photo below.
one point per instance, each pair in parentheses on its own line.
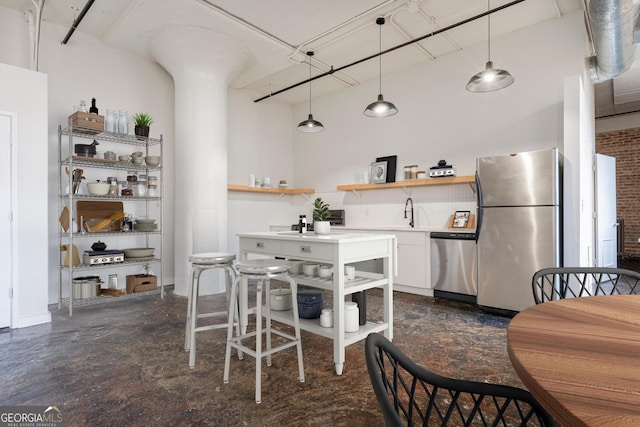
(578,173)
(437,119)
(260,143)
(80,70)
(25,92)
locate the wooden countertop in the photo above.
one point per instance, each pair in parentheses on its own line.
(580,358)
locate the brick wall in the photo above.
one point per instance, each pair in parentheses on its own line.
(624,145)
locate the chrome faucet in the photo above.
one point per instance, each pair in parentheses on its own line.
(405,211)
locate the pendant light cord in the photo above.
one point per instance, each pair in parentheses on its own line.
(310,54)
(489,31)
(380,56)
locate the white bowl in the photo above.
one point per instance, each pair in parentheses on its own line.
(152,160)
(295,266)
(310,269)
(138,252)
(98,188)
(325,271)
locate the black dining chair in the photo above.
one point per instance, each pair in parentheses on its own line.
(410,395)
(572,282)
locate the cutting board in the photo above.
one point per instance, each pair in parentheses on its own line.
(64,219)
(89,209)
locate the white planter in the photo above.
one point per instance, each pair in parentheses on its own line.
(321,227)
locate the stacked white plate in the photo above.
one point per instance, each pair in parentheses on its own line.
(145,225)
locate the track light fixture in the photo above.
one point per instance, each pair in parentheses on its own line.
(310,125)
(380,107)
(490,78)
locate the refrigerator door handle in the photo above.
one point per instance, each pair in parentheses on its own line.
(480,208)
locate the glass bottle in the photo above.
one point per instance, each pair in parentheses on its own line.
(123,123)
(113,187)
(111,121)
(142,186)
(93,109)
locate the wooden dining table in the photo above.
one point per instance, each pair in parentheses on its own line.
(580,358)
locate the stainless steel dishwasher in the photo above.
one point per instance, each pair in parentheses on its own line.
(454,268)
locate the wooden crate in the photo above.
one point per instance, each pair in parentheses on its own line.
(141,283)
(87,121)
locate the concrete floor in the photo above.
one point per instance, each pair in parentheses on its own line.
(122,363)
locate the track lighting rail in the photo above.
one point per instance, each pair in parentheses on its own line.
(391,49)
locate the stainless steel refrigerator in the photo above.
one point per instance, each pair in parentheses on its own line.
(519,225)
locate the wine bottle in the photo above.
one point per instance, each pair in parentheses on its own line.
(93,109)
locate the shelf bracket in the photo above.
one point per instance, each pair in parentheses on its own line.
(357,194)
(407,192)
(473,187)
(306,196)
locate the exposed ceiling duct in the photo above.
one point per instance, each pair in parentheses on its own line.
(613,23)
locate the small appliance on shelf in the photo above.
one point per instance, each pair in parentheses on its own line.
(102,257)
(442,170)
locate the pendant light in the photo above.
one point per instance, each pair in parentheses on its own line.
(490,78)
(310,125)
(380,108)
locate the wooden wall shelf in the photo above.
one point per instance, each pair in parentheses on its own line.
(410,183)
(272,190)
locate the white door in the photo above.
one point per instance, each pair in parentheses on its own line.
(5,219)
(606,222)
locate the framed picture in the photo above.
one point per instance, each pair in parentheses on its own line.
(391,167)
(378,172)
(460,219)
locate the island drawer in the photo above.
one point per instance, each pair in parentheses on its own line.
(313,250)
(268,246)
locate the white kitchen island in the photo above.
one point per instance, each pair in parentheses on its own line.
(337,249)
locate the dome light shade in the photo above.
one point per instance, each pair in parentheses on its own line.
(490,79)
(310,125)
(380,108)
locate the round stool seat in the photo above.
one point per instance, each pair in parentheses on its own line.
(211,258)
(262,266)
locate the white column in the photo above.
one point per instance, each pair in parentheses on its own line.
(202,62)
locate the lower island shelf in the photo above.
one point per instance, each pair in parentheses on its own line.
(313,326)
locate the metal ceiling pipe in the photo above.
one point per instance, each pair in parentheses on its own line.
(35,22)
(79,19)
(612,23)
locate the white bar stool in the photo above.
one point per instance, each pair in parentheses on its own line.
(199,263)
(262,271)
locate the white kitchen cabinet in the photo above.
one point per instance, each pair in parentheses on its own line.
(412,260)
(412,256)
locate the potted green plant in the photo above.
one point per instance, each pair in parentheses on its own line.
(321,224)
(142,121)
